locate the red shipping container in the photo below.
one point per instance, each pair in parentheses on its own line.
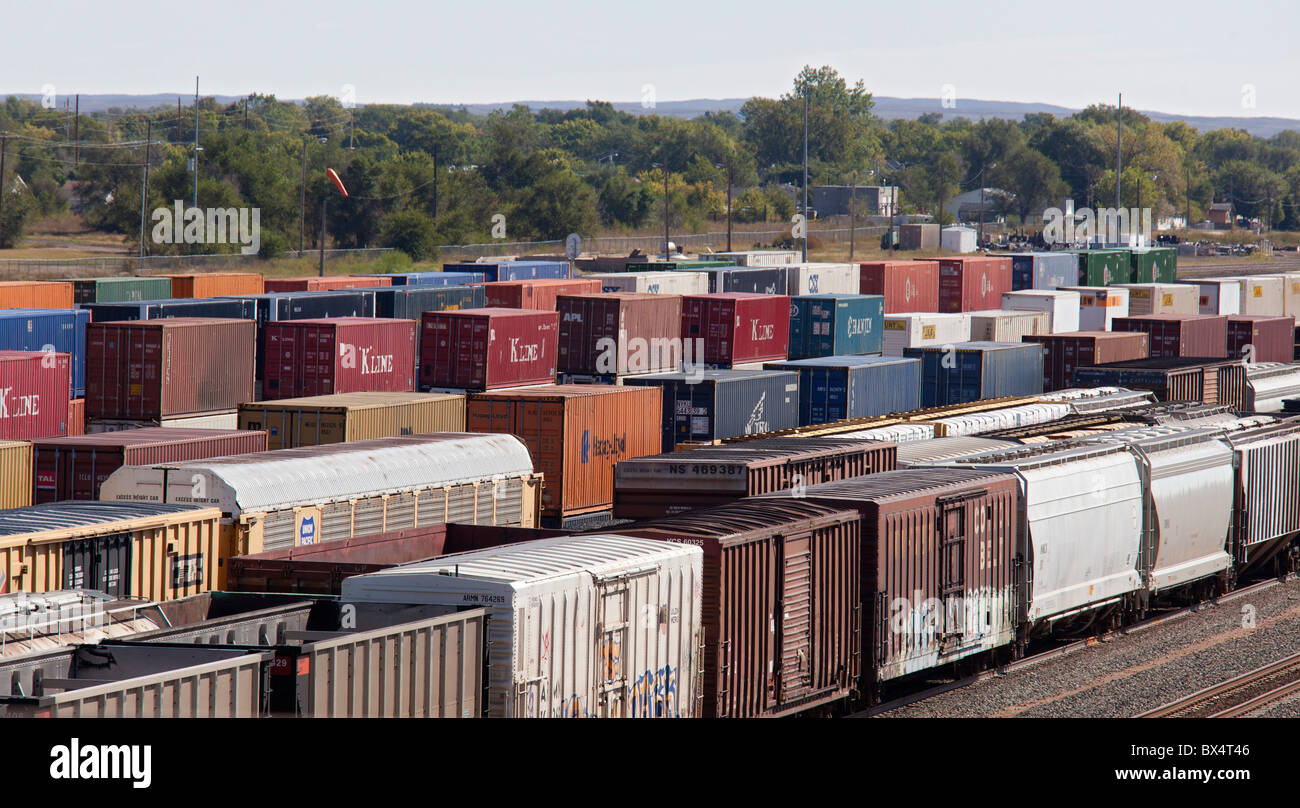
(338,355)
(1270,338)
(325,284)
(632,325)
(736,327)
(77,416)
(35,388)
(973,284)
(75,467)
(1172,335)
(534,294)
(1062,353)
(151,369)
(907,286)
(483,349)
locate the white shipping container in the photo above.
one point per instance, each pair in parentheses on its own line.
(957,239)
(1219,296)
(226,419)
(1062,306)
(823,279)
(653,283)
(1262,294)
(898,433)
(1099,305)
(758,258)
(977,423)
(1162,298)
(915,330)
(1001,325)
(1290,293)
(598,626)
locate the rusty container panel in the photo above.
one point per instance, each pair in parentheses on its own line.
(338,355)
(326,284)
(76,417)
(1172,335)
(317,420)
(217,284)
(575,434)
(75,467)
(538,294)
(734,328)
(615,333)
(36,295)
(907,286)
(35,389)
(149,369)
(1261,338)
(973,284)
(481,349)
(15,475)
(1062,353)
(780,603)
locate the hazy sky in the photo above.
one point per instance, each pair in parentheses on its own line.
(1188,57)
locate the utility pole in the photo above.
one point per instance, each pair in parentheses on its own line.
(1119,154)
(323,200)
(76,136)
(178,120)
(1188,194)
(853,215)
(302,194)
(667,255)
(352,128)
(805,174)
(144,186)
(980,237)
(728,202)
(245,113)
(435,180)
(196,141)
(4,143)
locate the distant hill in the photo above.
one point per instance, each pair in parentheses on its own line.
(886,107)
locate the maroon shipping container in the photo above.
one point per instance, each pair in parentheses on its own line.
(1062,353)
(484,349)
(534,294)
(736,327)
(338,355)
(780,603)
(1175,335)
(973,284)
(75,467)
(77,416)
(151,369)
(35,391)
(636,328)
(907,286)
(1272,338)
(325,284)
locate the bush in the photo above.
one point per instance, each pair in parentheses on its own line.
(411,232)
(273,245)
(397,261)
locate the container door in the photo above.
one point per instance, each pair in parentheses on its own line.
(102,564)
(795,613)
(612,623)
(952,572)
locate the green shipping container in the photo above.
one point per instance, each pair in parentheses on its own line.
(1103,267)
(119,290)
(667,266)
(1143,264)
(1166,259)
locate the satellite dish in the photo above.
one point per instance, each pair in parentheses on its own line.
(572,246)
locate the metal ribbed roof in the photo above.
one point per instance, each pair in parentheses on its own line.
(73,514)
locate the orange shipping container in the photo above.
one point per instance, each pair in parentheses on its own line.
(76,416)
(575,434)
(217,284)
(35,295)
(325,284)
(535,294)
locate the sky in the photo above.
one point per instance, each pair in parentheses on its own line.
(1190,57)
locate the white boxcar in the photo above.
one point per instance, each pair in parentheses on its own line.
(758,258)
(1099,305)
(898,433)
(595,626)
(941,450)
(921,329)
(1001,325)
(1062,306)
(823,279)
(1219,295)
(1268,384)
(977,423)
(653,283)
(1095,399)
(1081,528)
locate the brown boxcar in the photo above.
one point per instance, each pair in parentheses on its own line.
(631,326)
(74,467)
(781,603)
(217,284)
(36,295)
(1261,338)
(907,286)
(575,434)
(1062,353)
(1204,335)
(538,293)
(1209,381)
(147,369)
(665,484)
(939,570)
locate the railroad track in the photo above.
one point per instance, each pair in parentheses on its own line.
(1239,696)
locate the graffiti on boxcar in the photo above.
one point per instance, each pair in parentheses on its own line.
(654,694)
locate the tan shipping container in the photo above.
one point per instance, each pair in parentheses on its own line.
(217,284)
(316,420)
(15,477)
(1162,298)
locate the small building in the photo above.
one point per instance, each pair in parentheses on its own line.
(1220,213)
(870,200)
(965,207)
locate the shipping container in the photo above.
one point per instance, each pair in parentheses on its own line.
(1203,335)
(673,482)
(973,284)
(759,258)
(308,306)
(1210,381)
(1142,267)
(1062,353)
(1062,306)
(35,388)
(1261,294)
(537,294)
(513,270)
(342,355)
(971,371)
(1043,270)
(223,419)
(216,284)
(907,286)
(36,295)
(481,349)
(327,283)
(1004,325)
(1260,338)
(1163,298)
(918,236)
(758,281)
(15,476)
(435,279)
(313,494)
(76,416)
(832,388)
(316,420)
(1100,305)
(147,551)
(938,566)
(567,618)
(780,604)
(835,325)
(1219,296)
(75,467)
(58,330)
(1267,496)
(165,368)
(229,307)
(728,329)
(1103,267)
(676,265)
(1166,260)
(1290,290)
(119,289)
(653,283)
(903,331)
(822,279)
(709,405)
(619,333)
(409,302)
(575,434)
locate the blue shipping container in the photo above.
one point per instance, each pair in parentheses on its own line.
(409,302)
(724,403)
(835,387)
(514,270)
(835,325)
(232,307)
(971,371)
(57,330)
(1043,270)
(430,278)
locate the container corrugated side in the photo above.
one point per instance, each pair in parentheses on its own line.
(832,388)
(835,325)
(653,283)
(970,371)
(617,333)
(36,295)
(1062,353)
(316,420)
(907,286)
(217,284)
(1259,338)
(39,329)
(1007,326)
(1100,305)
(715,404)
(35,390)
(1062,306)
(15,474)
(903,331)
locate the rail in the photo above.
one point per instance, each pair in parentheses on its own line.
(1238,696)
